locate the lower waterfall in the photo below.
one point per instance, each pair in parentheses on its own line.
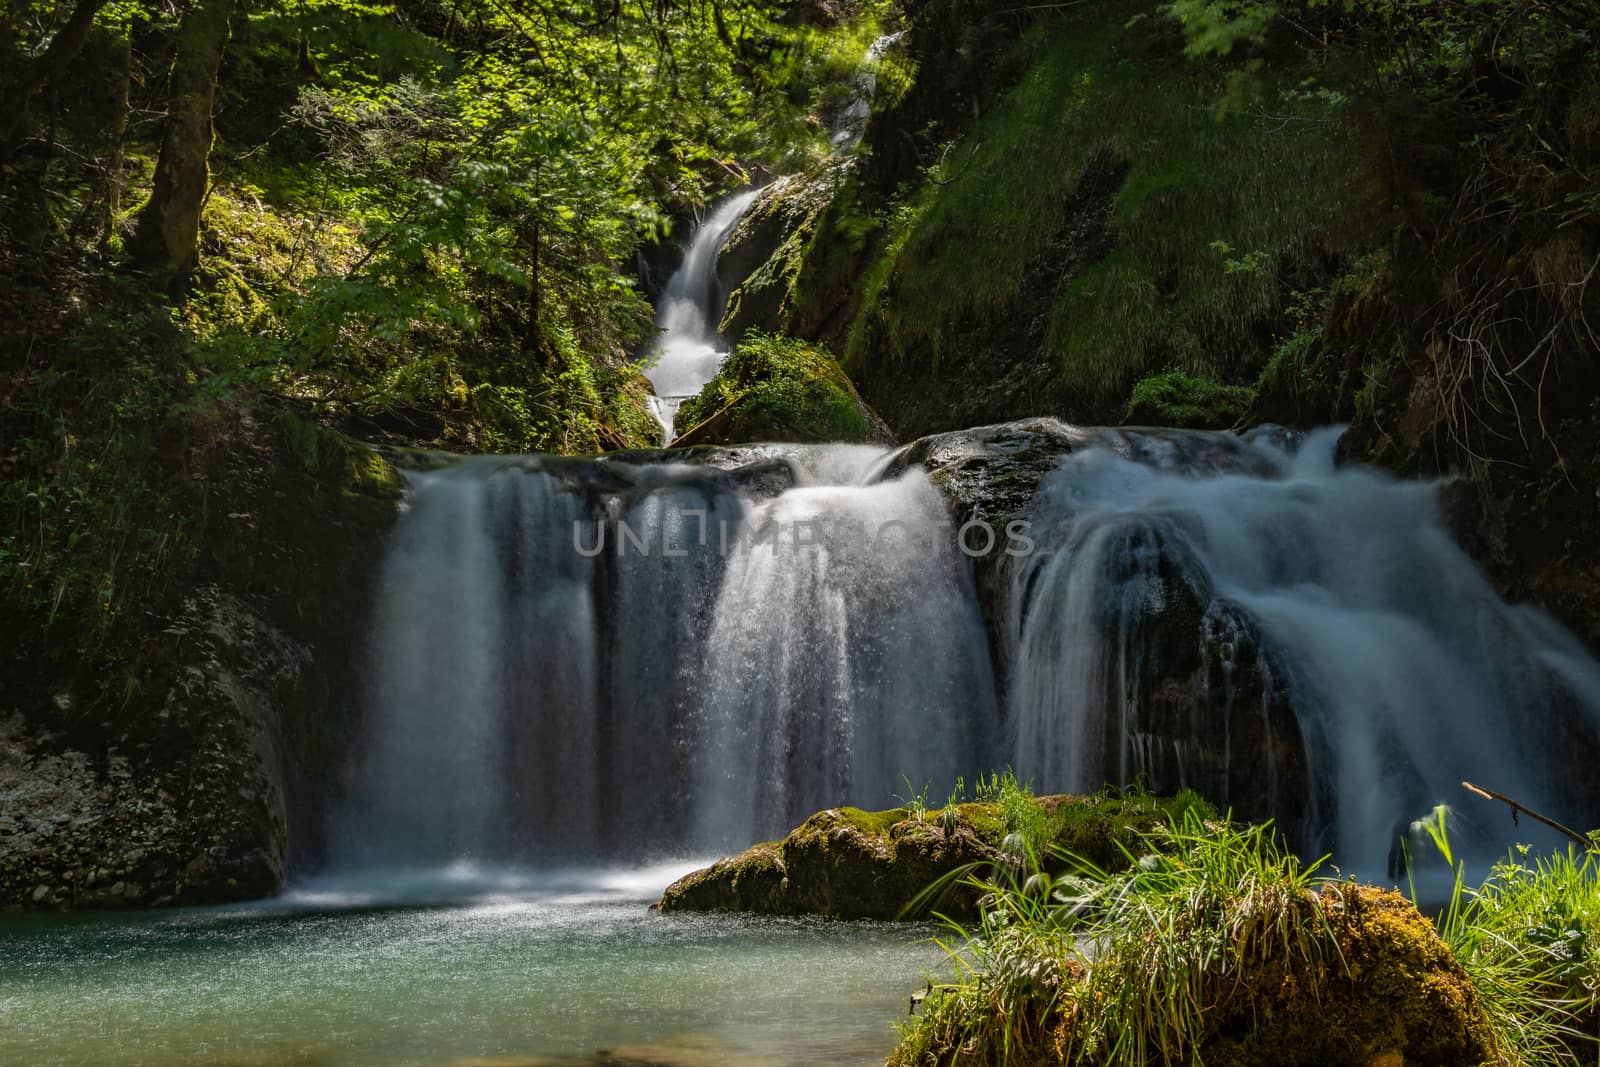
(577,660)
(651,656)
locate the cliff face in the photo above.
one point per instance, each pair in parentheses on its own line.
(215,766)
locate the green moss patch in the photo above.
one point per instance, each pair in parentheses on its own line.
(1187,402)
(1221,206)
(776,389)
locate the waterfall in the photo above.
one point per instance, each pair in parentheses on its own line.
(847,662)
(849,124)
(690,352)
(583,659)
(577,660)
(1290,637)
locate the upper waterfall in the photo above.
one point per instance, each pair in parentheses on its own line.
(689,351)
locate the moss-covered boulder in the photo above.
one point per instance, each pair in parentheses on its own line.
(845,863)
(778,389)
(1394,994)
(854,864)
(760,265)
(1377,988)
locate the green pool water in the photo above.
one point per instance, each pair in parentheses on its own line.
(510,973)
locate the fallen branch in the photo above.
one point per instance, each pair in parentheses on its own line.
(1490,794)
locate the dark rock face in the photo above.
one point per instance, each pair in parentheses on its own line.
(1001,369)
(216,771)
(199,820)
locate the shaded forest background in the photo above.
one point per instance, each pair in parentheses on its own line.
(237,240)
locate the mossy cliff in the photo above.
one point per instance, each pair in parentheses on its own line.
(181,750)
(853,864)
(1101,220)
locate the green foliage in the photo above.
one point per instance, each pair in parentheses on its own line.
(1529,936)
(1487,300)
(1218,946)
(778,389)
(1111,110)
(1182,400)
(424,216)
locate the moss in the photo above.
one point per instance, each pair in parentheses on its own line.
(1103,828)
(1111,81)
(1381,987)
(850,863)
(1398,992)
(782,226)
(776,389)
(1187,402)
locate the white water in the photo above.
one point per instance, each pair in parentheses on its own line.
(850,124)
(585,660)
(1405,671)
(690,352)
(846,651)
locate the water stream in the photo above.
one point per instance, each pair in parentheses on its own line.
(1293,638)
(690,352)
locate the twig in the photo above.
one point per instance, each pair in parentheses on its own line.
(1490,794)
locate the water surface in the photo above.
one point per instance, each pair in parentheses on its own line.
(507,975)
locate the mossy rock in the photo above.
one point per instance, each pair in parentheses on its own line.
(845,863)
(1399,996)
(778,389)
(849,863)
(1383,991)
(1186,402)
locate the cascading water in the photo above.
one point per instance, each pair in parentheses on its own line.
(1285,635)
(847,650)
(689,352)
(585,659)
(582,659)
(850,123)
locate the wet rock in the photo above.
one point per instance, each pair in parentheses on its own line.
(853,864)
(992,472)
(844,863)
(760,266)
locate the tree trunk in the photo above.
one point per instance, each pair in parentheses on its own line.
(47,67)
(119,133)
(166,232)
